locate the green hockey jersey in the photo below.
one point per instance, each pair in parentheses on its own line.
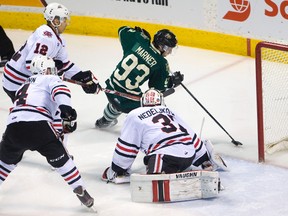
(141,62)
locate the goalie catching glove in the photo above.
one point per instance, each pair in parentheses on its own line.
(175,79)
(68,115)
(86,77)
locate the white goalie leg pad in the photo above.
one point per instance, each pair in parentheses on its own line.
(174,187)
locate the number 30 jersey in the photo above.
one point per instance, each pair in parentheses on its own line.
(154,130)
(42,41)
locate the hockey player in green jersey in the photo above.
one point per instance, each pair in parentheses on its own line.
(142,61)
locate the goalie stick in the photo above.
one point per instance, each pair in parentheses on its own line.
(125,95)
(174,187)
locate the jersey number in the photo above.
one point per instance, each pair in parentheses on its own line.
(41,49)
(128,64)
(167,123)
(22,95)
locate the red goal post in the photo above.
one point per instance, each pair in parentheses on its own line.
(272,95)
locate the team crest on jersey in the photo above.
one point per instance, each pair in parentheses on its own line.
(48,34)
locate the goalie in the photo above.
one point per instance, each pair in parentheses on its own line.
(169,144)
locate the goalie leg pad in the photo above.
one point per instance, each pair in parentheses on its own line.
(174,187)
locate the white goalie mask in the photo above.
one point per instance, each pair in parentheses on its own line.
(43,65)
(56,10)
(152,97)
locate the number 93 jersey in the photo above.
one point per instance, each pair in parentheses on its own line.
(141,62)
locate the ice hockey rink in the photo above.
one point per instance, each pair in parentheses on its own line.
(223,83)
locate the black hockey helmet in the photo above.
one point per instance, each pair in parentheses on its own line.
(164,37)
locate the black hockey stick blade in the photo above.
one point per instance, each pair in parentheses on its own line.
(237,143)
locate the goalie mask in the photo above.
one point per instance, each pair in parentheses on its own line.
(152,97)
(56,10)
(43,65)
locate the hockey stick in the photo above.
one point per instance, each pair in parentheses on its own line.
(202,125)
(44,3)
(125,95)
(128,96)
(233,140)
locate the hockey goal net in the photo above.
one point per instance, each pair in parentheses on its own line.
(272,97)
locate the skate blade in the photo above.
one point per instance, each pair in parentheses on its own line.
(93,209)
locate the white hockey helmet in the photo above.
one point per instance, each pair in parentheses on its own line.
(152,97)
(56,10)
(43,65)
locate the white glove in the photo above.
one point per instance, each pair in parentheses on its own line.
(110,176)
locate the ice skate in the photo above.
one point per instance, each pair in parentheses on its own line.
(84,197)
(103,123)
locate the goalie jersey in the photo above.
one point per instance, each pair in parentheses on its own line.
(49,92)
(154,130)
(43,41)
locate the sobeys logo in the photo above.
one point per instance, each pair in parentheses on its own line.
(241,10)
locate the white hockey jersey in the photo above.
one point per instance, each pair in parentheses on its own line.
(43,41)
(154,130)
(38,99)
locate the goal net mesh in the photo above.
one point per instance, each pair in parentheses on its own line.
(272,67)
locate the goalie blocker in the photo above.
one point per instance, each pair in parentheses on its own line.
(174,187)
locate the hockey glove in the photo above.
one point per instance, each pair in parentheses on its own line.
(146,33)
(110,176)
(177,78)
(85,77)
(59,64)
(68,115)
